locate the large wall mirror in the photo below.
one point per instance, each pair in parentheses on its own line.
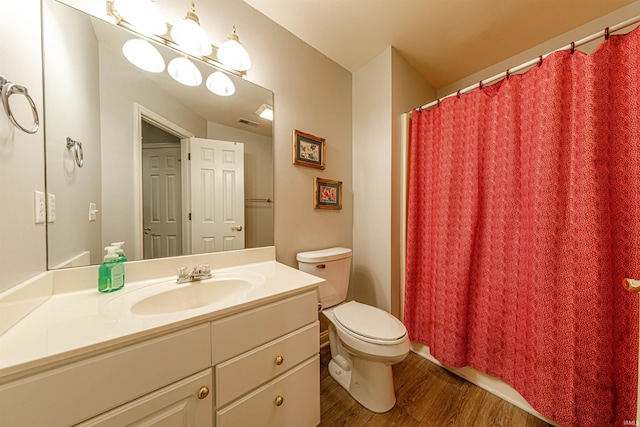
(137,157)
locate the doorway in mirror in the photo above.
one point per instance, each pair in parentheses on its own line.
(162,192)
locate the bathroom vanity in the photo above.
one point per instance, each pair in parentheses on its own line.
(83,358)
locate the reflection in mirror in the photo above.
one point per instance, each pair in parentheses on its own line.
(156,153)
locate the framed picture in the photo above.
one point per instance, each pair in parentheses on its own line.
(327,194)
(308,150)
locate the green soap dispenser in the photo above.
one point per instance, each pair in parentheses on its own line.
(111,272)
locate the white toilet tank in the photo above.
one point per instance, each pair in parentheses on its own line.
(333,265)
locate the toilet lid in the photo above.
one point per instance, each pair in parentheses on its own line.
(368,321)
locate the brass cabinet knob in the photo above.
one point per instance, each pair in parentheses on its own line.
(279,400)
(279,360)
(203,392)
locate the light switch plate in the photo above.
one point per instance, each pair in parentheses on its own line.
(92,212)
(39,208)
(51,207)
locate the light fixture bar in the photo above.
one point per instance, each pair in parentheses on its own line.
(166,40)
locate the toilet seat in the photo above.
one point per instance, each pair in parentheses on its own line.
(369,324)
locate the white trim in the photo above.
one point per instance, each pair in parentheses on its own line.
(140,112)
(185,145)
(405,127)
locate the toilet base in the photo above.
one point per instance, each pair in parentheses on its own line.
(369,382)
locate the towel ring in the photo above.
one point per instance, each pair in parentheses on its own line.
(77,150)
(6,90)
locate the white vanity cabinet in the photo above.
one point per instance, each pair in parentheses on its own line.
(256,367)
(268,375)
(73,393)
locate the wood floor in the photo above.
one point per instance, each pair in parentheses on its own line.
(427,395)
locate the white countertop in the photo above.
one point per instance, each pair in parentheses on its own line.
(71,324)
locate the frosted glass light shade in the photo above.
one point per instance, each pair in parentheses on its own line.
(233,55)
(220,84)
(143,55)
(184,71)
(144,15)
(191,38)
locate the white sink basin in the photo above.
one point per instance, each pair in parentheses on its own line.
(194,295)
(165,296)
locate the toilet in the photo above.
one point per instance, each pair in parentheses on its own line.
(365,341)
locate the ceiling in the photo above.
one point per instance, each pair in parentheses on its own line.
(444,40)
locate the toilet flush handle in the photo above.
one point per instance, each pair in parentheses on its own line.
(321,266)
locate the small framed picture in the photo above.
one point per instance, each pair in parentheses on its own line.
(308,150)
(327,194)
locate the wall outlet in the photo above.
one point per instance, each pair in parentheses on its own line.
(39,208)
(51,208)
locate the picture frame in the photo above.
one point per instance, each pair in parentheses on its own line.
(327,194)
(308,150)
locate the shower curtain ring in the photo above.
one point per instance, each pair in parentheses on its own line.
(606,33)
(573,47)
(507,73)
(458,93)
(540,61)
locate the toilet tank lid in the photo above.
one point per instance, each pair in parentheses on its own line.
(324,255)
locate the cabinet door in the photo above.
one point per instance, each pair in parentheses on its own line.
(187,403)
(90,387)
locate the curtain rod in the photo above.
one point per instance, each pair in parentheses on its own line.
(604,33)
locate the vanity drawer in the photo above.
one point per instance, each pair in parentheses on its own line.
(243,373)
(242,332)
(299,389)
(73,393)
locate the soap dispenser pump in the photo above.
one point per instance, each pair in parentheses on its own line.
(111,272)
(120,251)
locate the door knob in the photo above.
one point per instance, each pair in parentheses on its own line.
(238,228)
(147,230)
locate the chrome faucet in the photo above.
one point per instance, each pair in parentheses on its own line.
(197,273)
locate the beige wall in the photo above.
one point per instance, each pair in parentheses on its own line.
(409,91)
(372,182)
(22,243)
(383,89)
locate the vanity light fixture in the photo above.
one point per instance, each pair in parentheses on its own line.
(220,84)
(184,71)
(144,15)
(265,111)
(190,36)
(143,55)
(232,54)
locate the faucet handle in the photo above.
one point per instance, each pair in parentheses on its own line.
(205,268)
(182,272)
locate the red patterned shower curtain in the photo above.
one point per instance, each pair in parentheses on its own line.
(523,219)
